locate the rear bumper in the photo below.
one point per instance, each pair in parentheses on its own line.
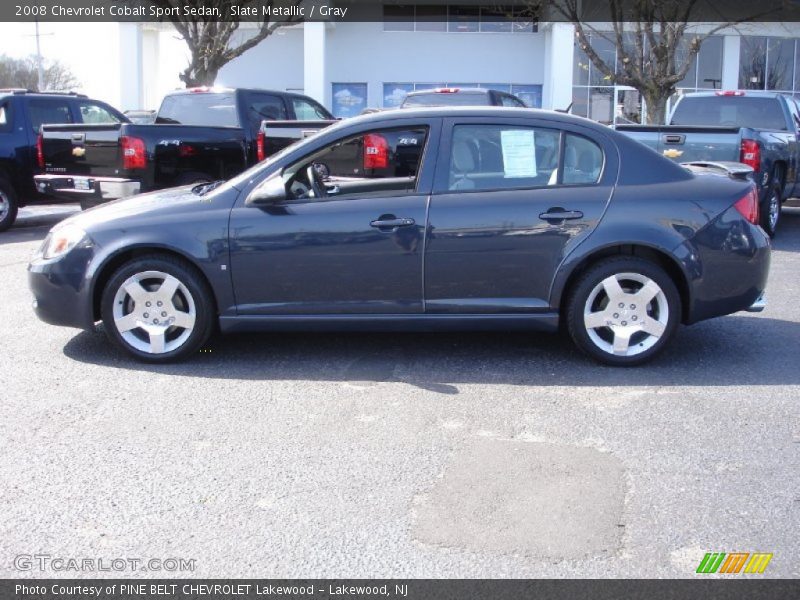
(77,187)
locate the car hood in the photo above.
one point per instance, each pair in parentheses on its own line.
(164,203)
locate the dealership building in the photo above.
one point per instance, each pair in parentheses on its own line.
(351,66)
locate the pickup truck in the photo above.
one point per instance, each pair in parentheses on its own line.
(200,135)
(759,129)
(22,112)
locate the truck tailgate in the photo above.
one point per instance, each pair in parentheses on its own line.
(688,144)
(81,149)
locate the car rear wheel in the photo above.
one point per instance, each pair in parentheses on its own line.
(158,309)
(623,311)
(771,209)
(8,205)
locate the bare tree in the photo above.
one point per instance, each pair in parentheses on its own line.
(656,45)
(212,40)
(23,73)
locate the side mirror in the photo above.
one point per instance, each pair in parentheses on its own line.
(269,192)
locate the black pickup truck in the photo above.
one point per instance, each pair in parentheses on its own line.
(200,135)
(22,112)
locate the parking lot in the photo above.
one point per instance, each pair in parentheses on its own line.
(401,455)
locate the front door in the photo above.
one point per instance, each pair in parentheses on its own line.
(349,237)
(512,198)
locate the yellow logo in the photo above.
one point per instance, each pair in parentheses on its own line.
(79,151)
(672,153)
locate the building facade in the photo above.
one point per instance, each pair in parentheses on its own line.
(352,66)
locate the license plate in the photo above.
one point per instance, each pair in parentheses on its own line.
(81,183)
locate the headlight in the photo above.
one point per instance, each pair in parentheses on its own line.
(61,240)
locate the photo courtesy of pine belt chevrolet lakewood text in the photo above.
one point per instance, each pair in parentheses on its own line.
(456,218)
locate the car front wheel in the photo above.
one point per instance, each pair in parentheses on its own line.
(623,311)
(157,308)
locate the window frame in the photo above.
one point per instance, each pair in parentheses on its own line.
(608,149)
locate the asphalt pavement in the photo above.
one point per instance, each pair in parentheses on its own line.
(398,455)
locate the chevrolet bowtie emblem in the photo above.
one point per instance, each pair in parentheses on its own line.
(672,153)
(79,151)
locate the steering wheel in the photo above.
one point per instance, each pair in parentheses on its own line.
(316,182)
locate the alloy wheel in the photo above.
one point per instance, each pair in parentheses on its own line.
(4,205)
(154,312)
(626,314)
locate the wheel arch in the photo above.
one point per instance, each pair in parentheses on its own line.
(116,259)
(560,294)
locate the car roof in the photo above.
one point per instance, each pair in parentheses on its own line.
(735,94)
(218,90)
(476,111)
(24,92)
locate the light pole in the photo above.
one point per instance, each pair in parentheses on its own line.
(39,67)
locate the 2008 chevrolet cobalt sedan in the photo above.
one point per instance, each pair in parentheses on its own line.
(456,218)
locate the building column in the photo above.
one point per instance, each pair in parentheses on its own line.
(131,91)
(731,49)
(559,57)
(314,59)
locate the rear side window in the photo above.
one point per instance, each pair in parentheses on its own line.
(511,101)
(730,111)
(92,112)
(265,107)
(205,109)
(308,111)
(44,112)
(447,99)
(496,157)
(491,157)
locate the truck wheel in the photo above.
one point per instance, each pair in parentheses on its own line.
(158,309)
(623,311)
(8,205)
(771,207)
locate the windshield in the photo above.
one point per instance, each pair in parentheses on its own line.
(210,110)
(447,99)
(730,111)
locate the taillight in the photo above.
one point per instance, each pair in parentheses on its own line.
(261,151)
(747,206)
(134,155)
(40,151)
(376,152)
(751,154)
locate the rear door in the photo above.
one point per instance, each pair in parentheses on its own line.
(512,198)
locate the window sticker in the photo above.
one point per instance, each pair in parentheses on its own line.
(519,153)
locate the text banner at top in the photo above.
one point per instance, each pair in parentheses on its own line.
(699,11)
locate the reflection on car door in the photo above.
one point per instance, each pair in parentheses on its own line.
(358,251)
(511,199)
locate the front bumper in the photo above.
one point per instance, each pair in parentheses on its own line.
(77,187)
(61,290)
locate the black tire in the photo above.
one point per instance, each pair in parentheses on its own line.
(770,209)
(665,308)
(192,282)
(9,205)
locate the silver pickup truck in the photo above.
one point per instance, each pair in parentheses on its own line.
(759,129)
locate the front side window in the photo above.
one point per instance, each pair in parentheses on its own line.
(48,111)
(496,157)
(94,113)
(380,162)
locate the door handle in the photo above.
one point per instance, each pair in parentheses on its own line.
(559,214)
(392,224)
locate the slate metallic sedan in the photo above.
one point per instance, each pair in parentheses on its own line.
(420,219)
